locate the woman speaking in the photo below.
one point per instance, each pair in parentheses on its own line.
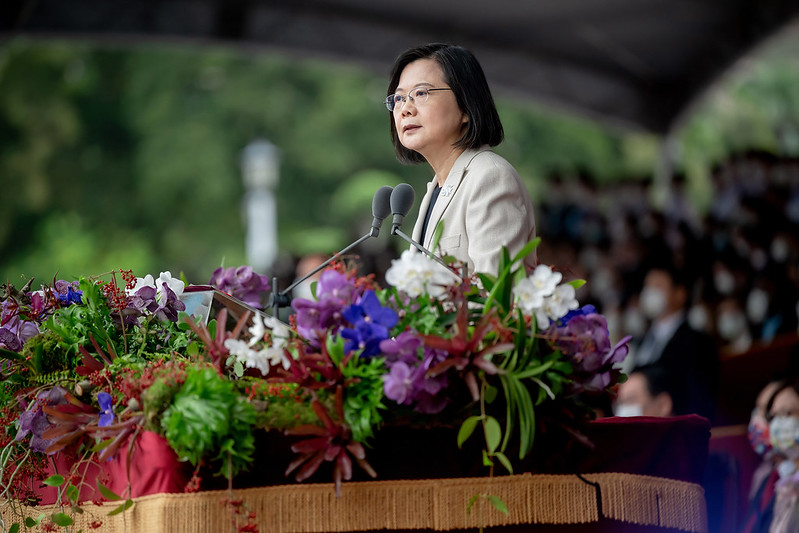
(442,112)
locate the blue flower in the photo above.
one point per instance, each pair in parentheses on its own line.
(71,297)
(106,409)
(371,322)
(583,311)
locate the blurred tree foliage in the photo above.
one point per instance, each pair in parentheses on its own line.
(129,157)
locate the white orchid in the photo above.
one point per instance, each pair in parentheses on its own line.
(557,305)
(532,291)
(175,284)
(247,356)
(415,273)
(146,281)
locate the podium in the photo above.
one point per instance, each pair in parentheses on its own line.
(643,475)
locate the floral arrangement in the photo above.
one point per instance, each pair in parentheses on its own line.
(89,364)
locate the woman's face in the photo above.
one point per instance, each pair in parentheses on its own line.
(432,127)
(786,403)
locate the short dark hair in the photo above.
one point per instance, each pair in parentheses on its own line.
(464,75)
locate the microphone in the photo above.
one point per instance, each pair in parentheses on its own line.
(380,210)
(401,202)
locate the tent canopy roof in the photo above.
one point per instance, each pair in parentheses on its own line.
(637,63)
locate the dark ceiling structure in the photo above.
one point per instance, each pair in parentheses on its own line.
(635,63)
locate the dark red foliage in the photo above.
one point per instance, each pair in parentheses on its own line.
(464,350)
(331,442)
(215,345)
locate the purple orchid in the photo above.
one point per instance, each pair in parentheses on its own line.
(106,409)
(242,283)
(14,331)
(408,383)
(398,383)
(170,306)
(334,292)
(371,322)
(336,286)
(314,318)
(405,347)
(33,421)
(584,338)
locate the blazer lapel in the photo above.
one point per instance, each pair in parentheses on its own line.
(448,191)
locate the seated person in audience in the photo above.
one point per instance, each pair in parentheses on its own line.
(689,357)
(784,436)
(647,392)
(761,494)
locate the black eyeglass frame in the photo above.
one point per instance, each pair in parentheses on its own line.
(391,104)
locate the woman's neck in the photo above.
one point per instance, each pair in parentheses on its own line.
(443,163)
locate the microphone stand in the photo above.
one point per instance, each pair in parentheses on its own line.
(283,298)
(396,231)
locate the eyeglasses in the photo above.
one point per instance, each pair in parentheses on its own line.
(417,96)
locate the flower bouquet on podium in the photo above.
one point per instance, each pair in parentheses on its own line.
(89,365)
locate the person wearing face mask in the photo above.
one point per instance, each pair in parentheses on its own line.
(784,436)
(647,392)
(760,505)
(688,356)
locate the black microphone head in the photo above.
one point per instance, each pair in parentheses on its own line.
(402,199)
(381,202)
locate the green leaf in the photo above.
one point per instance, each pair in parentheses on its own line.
(490,394)
(72,493)
(471,503)
(61,519)
(54,481)
(102,445)
(14,528)
(107,493)
(505,461)
(576,283)
(193,349)
(467,428)
(238,368)
(30,522)
(493,433)
(498,504)
(534,371)
(122,508)
(487,459)
(527,249)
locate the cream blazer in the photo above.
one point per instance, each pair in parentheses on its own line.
(484,205)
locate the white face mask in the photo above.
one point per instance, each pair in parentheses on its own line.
(724,282)
(784,432)
(628,409)
(697,318)
(757,305)
(653,302)
(779,250)
(731,325)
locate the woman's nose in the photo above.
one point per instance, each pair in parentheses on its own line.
(408,107)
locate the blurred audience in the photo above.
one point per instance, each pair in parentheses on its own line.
(742,255)
(687,357)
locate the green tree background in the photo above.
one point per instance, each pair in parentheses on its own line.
(128,157)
